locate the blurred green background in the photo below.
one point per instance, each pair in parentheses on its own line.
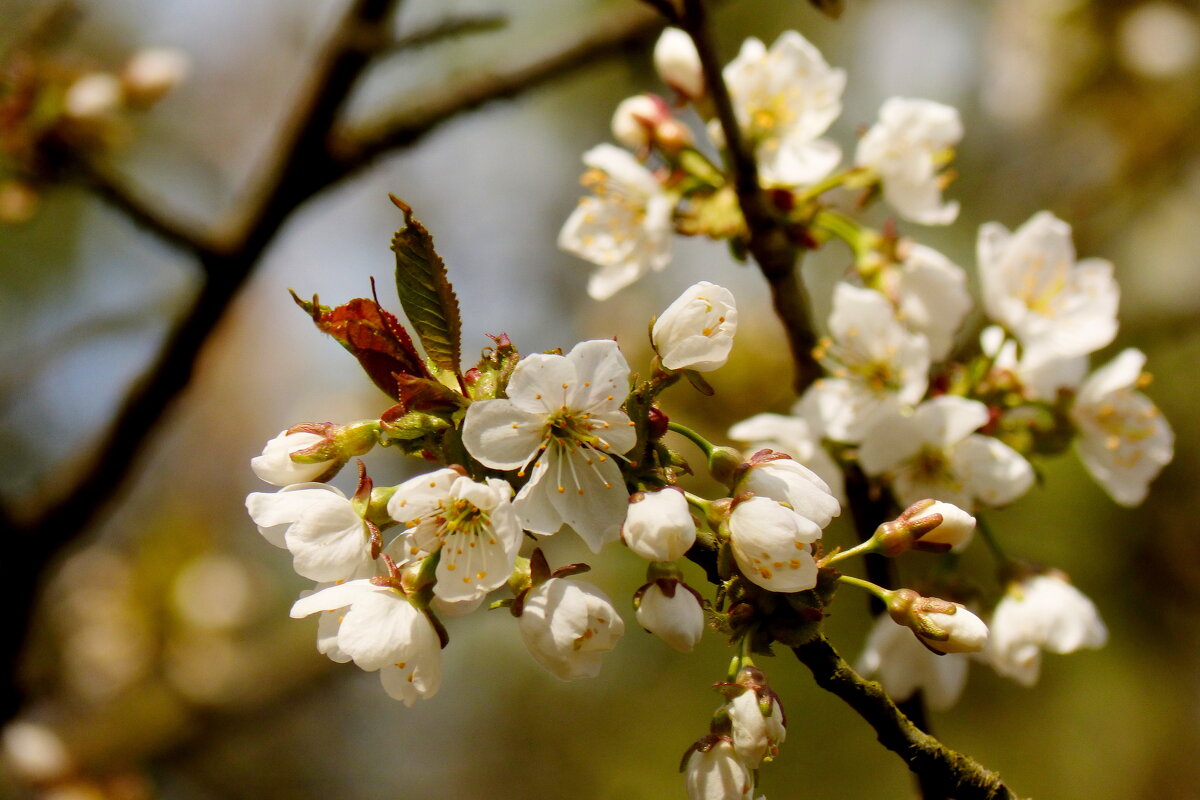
(163,655)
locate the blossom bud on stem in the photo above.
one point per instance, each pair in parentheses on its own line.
(928,525)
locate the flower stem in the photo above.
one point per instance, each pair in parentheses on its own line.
(878,591)
(859,549)
(989,538)
(692,436)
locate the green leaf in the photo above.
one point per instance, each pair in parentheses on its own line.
(426,293)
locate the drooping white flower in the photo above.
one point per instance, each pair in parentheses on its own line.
(797,436)
(895,658)
(676,618)
(879,367)
(757,733)
(714,772)
(696,331)
(1124,440)
(785,98)
(678,64)
(472,524)
(1033,286)
(563,413)
(1043,612)
(624,226)
(567,626)
(381,630)
(275,465)
(772,545)
(92,96)
(906,149)
(659,525)
(934,453)
(785,480)
(930,294)
(327,538)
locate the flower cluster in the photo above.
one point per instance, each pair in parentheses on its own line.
(54,107)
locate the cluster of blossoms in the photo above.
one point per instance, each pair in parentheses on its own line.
(54,107)
(932,432)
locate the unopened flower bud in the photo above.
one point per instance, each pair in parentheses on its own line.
(928,525)
(678,64)
(757,718)
(940,625)
(696,331)
(658,525)
(567,625)
(153,72)
(714,771)
(785,480)
(671,610)
(636,119)
(93,96)
(313,451)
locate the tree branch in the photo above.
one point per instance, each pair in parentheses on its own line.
(776,254)
(937,766)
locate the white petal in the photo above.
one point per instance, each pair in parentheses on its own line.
(992,471)
(602,376)
(500,435)
(589,494)
(377,627)
(273,512)
(331,598)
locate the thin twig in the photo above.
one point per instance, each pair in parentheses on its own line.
(448,28)
(774,251)
(941,769)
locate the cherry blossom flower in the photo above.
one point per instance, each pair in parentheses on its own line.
(696,331)
(472,524)
(1033,286)
(1124,440)
(677,618)
(879,367)
(757,725)
(1042,612)
(905,148)
(678,64)
(624,227)
(772,545)
(659,525)
(567,626)
(327,538)
(784,480)
(799,437)
(785,98)
(275,465)
(895,658)
(1040,375)
(934,453)
(930,294)
(714,772)
(563,413)
(382,631)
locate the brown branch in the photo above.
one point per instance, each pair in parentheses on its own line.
(448,28)
(355,149)
(941,769)
(776,254)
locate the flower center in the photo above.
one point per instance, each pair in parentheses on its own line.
(569,428)
(462,516)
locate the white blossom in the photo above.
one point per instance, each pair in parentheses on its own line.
(930,294)
(879,367)
(678,63)
(1124,440)
(772,545)
(624,227)
(966,632)
(567,626)
(275,465)
(1043,612)
(382,631)
(563,414)
(1041,375)
(785,98)
(895,658)
(906,149)
(714,772)
(756,734)
(327,538)
(797,436)
(934,453)
(1033,286)
(472,524)
(677,619)
(92,96)
(785,480)
(659,525)
(956,528)
(696,330)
